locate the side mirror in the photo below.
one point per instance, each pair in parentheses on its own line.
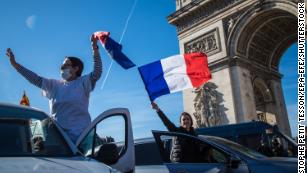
(233,162)
(107,154)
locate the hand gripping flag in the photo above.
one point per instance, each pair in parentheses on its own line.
(114,49)
(175,73)
(24,100)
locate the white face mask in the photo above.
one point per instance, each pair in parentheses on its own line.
(66,74)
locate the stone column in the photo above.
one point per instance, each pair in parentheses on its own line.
(280,107)
(243,94)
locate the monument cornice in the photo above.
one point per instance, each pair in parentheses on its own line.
(219,64)
(198,11)
(260,69)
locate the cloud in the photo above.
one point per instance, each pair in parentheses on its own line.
(31,21)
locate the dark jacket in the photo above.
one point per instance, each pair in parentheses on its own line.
(183,150)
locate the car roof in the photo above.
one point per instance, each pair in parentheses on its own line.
(8,110)
(245,125)
(144,140)
(151,139)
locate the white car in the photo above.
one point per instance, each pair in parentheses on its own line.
(30,141)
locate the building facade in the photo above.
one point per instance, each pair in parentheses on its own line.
(244,41)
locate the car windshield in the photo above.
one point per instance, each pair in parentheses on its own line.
(24,136)
(234,146)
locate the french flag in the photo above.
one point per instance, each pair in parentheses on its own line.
(175,73)
(114,49)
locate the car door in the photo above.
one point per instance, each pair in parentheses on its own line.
(208,158)
(147,157)
(109,139)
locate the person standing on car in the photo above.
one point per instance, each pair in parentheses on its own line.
(183,150)
(69,97)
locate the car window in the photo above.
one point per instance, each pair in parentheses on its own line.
(147,153)
(290,150)
(281,146)
(15,137)
(31,137)
(46,138)
(250,140)
(208,154)
(186,149)
(107,141)
(237,147)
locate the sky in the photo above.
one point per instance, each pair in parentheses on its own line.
(41,33)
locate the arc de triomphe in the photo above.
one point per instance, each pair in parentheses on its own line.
(244,41)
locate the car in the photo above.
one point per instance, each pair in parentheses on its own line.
(257,135)
(147,156)
(31,141)
(153,155)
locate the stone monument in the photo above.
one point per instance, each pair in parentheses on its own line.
(244,41)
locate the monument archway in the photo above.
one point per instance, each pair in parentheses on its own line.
(244,41)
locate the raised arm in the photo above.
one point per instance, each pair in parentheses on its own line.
(168,124)
(26,73)
(96,73)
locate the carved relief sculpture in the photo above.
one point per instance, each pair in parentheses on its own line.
(207,43)
(230,24)
(206,107)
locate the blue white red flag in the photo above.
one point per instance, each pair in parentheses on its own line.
(175,73)
(114,49)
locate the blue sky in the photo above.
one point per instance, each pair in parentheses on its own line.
(41,33)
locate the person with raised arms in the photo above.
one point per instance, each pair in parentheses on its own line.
(69,96)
